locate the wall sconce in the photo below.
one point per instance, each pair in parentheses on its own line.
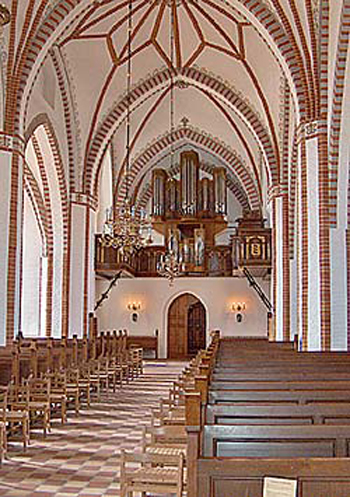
(238,308)
(134,306)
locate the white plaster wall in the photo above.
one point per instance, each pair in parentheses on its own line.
(30,312)
(76,290)
(278,272)
(57,220)
(314,305)
(155,296)
(105,197)
(5,173)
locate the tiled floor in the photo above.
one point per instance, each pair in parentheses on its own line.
(82,457)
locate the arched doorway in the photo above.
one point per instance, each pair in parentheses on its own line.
(186,327)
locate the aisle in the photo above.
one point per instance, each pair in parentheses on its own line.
(82,457)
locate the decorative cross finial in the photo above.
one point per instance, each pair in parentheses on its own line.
(5,15)
(185,121)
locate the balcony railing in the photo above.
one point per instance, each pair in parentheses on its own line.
(219,260)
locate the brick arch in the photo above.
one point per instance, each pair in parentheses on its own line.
(282,36)
(43,120)
(206,141)
(98,145)
(33,191)
(338,105)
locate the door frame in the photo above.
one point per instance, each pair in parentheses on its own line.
(166,315)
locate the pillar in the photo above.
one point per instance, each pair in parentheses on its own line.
(11,194)
(314,305)
(82,278)
(281,275)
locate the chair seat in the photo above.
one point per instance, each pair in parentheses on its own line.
(170,451)
(16,416)
(153,475)
(39,405)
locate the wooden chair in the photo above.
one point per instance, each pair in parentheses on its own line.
(166,440)
(39,402)
(152,476)
(58,395)
(3,437)
(16,415)
(80,378)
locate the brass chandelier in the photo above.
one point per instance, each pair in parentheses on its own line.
(124,227)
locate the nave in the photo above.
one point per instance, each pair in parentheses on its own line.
(82,457)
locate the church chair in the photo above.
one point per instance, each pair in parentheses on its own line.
(115,373)
(39,402)
(16,414)
(3,435)
(99,375)
(58,395)
(155,475)
(80,378)
(166,440)
(136,355)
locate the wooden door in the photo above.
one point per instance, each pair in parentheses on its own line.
(196,319)
(179,344)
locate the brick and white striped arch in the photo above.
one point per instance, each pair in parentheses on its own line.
(42,120)
(105,131)
(282,36)
(33,191)
(205,141)
(339,82)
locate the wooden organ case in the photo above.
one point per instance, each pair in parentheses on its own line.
(190,211)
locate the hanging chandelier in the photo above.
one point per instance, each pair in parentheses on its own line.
(169,265)
(124,228)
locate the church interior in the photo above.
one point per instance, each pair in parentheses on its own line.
(174,248)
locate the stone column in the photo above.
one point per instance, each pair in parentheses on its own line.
(82,276)
(11,194)
(281,274)
(314,306)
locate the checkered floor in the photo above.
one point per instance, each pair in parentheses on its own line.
(82,457)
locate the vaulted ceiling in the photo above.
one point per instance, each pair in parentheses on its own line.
(244,74)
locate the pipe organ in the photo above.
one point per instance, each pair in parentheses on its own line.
(191,209)
(190,196)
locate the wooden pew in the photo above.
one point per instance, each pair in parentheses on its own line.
(276,441)
(314,414)
(301,397)
(264,417)
(244,477)
(302,384)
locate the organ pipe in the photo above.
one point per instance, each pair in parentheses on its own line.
(189,172)
(220,191)
(159,177)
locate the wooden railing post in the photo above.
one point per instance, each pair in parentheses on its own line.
(33,359)
(75,350)
(15,362)
(193,428)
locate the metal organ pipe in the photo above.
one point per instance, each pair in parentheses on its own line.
(159,179)
(220,191)
(189,182)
